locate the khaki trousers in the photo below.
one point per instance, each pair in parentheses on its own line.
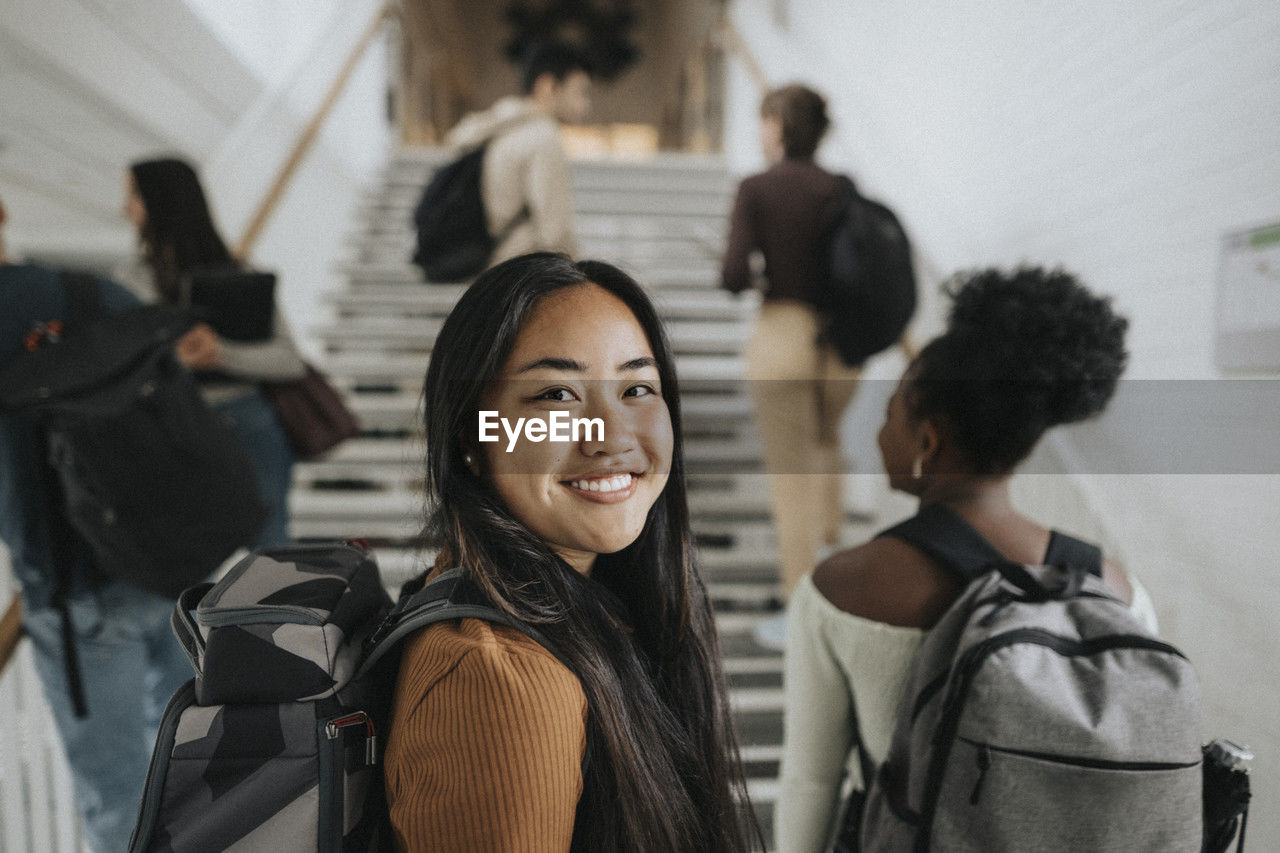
(800,392)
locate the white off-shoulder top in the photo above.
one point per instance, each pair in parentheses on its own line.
(833,660)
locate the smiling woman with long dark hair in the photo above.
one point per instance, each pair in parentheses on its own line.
(495,744)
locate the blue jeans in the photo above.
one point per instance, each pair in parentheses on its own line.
(260,432)
(130,664)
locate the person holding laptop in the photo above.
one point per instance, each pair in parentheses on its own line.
(247,342)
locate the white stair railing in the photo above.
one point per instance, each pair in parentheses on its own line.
(37,797)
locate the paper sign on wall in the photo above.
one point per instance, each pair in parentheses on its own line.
(1248,327)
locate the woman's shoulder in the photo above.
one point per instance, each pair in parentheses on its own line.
(890,581)
(496,657)
(887,580)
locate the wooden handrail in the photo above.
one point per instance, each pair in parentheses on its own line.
(308,136)
(733,38)
(10,632)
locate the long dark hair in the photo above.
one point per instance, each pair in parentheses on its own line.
(662,769)
(178,234)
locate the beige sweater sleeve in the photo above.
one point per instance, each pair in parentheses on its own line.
(549,194)
(273,360)
(487,737)
(833,658)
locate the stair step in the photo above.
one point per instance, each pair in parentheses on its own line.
(726,548)
(619,226)
(636,253)
(747,589)
(394,492)
(699,373)
(417,333)
(737,497)
(738,453)
(680,172)
(676,278)
(400,410)
(758,699)
(398,565)
(438,301)
(586,201)
(753,666)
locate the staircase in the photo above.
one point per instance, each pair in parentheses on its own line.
(663,220)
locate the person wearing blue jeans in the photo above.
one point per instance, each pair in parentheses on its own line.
(129,661)
(254,419)
(130,664)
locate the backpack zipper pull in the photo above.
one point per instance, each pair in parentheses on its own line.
(984,764)
(333,731)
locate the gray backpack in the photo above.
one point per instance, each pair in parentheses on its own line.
(1038,715)
(274,744)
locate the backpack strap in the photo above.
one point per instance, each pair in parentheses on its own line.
(61,542)
(941,533)
(1066,550)
(84,303)
(448,596)
(865,764)
(846,192)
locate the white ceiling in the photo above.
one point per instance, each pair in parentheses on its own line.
(86,86)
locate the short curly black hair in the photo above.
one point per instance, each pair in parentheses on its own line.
(1024,351)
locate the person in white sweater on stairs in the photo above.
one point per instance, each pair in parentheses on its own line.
(1023,352)
(525,180)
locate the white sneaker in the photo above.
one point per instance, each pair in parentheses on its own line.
(771,633)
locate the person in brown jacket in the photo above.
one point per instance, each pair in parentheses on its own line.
(495,743)
(800,386)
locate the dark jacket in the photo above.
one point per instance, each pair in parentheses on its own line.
(780,213)
(32,294)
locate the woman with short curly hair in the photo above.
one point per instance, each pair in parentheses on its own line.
(1023,352)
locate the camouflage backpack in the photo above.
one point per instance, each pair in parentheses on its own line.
(274,744)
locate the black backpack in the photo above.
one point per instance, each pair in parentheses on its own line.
(296,646)
(867,286)
(454,243)
(155,481)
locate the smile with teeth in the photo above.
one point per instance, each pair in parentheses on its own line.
(610,484)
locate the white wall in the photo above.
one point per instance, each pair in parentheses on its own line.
(1121,140)
(298,48)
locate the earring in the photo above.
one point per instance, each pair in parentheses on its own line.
(469,460)
(917,467)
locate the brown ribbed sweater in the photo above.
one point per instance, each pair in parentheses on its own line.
(486,744)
